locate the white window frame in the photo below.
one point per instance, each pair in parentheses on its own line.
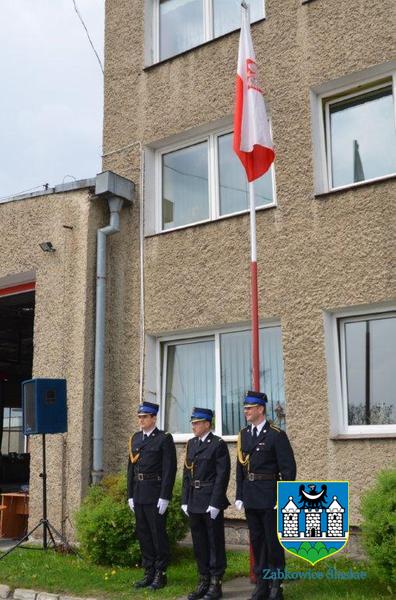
(213,180)
(208,28)
(336,372)
(322,96)
(204,336)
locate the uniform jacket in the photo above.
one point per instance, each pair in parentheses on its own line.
(157,456)
(209,463)
(272,454)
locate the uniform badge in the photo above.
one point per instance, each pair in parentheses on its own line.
(313,518)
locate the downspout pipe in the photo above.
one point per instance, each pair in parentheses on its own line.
(107,186)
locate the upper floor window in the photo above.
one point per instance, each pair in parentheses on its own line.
(361,136)
(204,181)
(354,128)
(184,24)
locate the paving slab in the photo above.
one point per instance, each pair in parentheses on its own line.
(22,594)
(235,589)
(4,591)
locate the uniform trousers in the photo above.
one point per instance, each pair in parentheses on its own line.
(152,536)
(209,543)
(267,551)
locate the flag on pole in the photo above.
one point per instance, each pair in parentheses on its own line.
(252,139)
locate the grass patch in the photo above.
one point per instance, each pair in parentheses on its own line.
(53,572)
(57,573)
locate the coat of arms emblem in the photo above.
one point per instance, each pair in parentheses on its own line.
(313,518)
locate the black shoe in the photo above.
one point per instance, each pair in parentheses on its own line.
(147,579)
(276,592)
(214,592)
(261,591)
(202,588)
(160,580)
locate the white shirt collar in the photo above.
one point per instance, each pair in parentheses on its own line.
(148,433)
(259,427)
(203,438)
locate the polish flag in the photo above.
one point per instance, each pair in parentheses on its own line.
(252,138)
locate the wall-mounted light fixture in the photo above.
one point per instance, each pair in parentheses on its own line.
(47,247)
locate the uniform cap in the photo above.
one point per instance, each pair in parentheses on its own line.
(201,414)
(255,399)
(148,408)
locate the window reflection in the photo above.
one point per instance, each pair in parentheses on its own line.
(363,137)
(181,26)
(227,14)
(185,197)
(234,191)
(370,364)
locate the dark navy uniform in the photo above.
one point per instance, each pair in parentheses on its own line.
(261,463)
(151,476)
(205,481)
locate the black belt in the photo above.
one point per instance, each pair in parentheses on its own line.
(147,477)
(261,477)
(197,483)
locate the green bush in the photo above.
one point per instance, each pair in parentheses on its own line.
(106,526)
(379,526)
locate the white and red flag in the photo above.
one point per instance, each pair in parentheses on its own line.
(252,138)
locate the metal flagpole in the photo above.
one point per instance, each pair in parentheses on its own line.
(254,292)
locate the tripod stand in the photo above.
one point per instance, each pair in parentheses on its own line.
(48,529)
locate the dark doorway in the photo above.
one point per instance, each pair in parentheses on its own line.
(16,359)
(313,532)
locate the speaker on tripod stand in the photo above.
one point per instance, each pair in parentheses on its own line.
(44,412)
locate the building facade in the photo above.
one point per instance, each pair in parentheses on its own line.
(326,211)
(178,295)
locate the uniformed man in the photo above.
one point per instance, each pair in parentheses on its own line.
(151,476)
(205,480)
(264,456)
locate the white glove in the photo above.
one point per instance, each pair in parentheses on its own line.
(238,504)
(213,511)
(131,504)
(162,505)
(184,509)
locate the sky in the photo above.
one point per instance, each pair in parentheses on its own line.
(51,100)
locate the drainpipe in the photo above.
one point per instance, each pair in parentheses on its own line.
(116,190)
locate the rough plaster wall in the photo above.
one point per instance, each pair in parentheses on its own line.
(63,331)
(313,255)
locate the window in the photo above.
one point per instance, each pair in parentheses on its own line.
(184,24)
(368,365)
(361,136)
(214,371)
(205,181)
(361,362)
(13,439)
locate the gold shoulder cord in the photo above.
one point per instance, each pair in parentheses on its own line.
(189,467)
(134,457)
(244,461)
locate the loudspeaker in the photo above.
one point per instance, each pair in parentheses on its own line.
(44,406)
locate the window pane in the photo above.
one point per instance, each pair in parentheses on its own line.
(382,371)
(371,386)
(185,197)
(363,138)
(181,26)
(355,356)
(236,375)
(190,381)
(234,192)
(227,14)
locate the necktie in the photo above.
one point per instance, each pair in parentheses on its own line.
(200,442)
(145,436)
(254,435)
